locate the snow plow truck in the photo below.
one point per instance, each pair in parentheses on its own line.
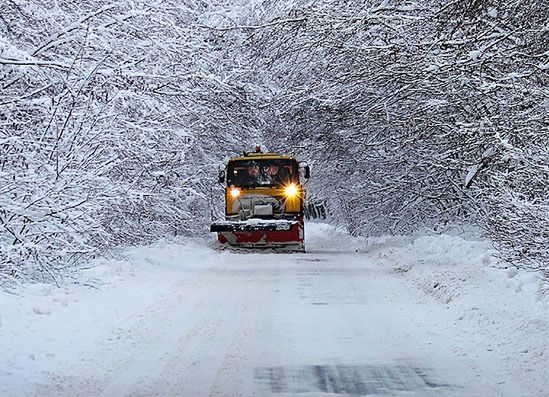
(264,201)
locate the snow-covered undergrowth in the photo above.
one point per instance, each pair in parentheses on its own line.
(503,310)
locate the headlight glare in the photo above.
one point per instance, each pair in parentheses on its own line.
(290,190)
(235,192)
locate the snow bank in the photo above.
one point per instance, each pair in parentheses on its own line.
(502,309)
(43,327)
(324,237)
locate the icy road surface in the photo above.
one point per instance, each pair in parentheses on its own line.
(331,322)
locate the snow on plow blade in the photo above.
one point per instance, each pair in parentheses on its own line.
(260,233)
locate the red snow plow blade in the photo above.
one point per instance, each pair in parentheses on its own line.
(259,233)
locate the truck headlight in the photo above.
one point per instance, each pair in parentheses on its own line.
(235,192)
(290,190)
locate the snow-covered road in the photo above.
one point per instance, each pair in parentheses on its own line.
(328,322)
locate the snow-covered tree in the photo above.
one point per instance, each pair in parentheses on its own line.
(113,116)
(416,113)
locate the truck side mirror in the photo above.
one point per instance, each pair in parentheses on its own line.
(306,170)
(221,176)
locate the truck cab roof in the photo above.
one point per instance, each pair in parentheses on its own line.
(259,156)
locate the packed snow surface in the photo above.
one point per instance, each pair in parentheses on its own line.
(415,316)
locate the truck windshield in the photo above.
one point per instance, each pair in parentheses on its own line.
(262,172)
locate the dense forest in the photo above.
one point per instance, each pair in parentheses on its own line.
(114,116)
